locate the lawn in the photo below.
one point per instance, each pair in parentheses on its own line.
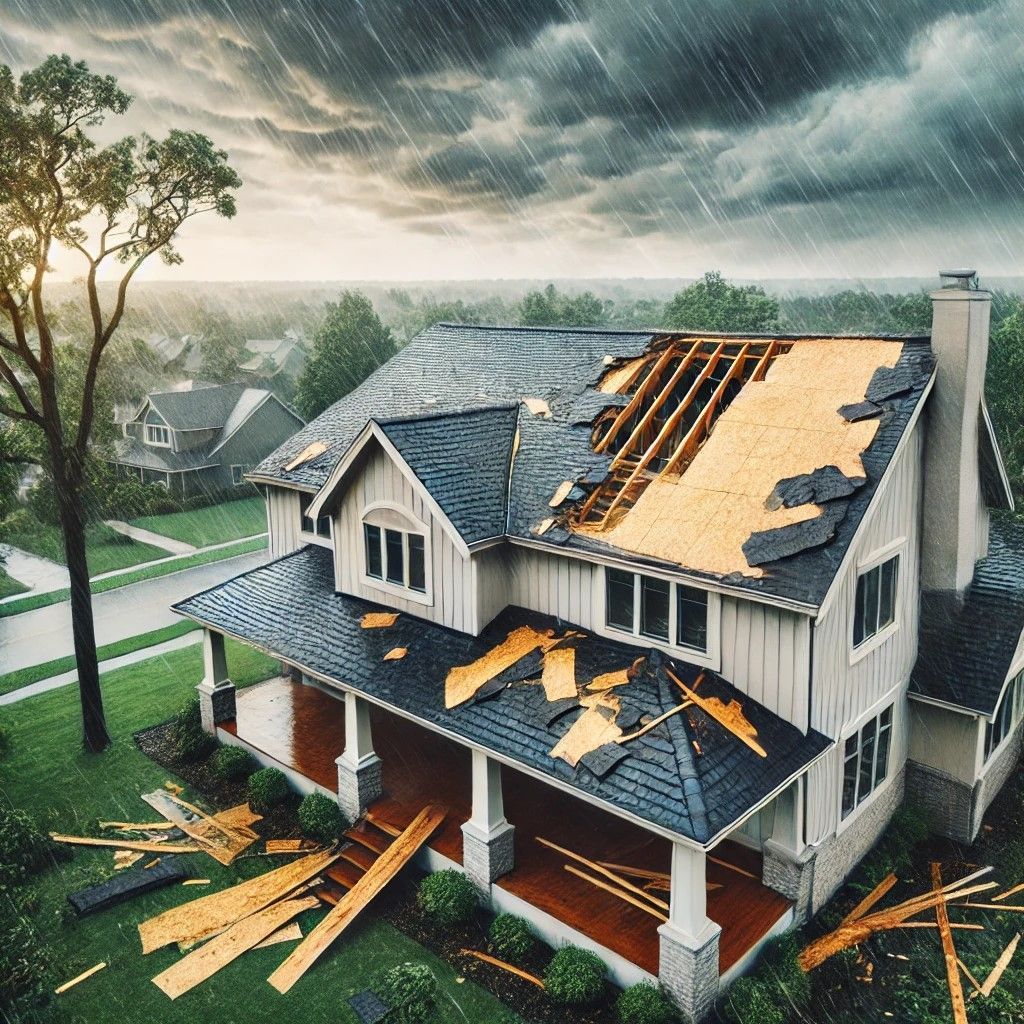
(47,774)
(9,586)
(106,549)
(214,525)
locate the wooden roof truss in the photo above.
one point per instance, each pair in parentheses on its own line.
(676,395)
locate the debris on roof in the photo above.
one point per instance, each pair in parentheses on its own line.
(463,681)
(311,451)
(396,654)
(824,484)
(559,675)
(564,488)
(378,620)
(538,407)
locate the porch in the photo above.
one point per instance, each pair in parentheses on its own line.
(302,729)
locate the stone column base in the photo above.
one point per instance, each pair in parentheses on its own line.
(359,785)
(948,803)
(688,968)
(216,704)
(486,856)
(791,874)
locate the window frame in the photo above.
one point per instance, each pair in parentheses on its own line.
(709,657)
(386,517)
(894,550)
(1011,701)
(873,717)
(241,481)
(314,536)
(162,429)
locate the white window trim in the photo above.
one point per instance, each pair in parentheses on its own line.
(311,536)
(897,547)
(241,475)
(891,699)
(1016,717)
(147,427)
(711,658)
(413,525)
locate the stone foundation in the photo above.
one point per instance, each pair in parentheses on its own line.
(946,802)
(688,968)
(994,776)
(359,785)
(791,874)
(487,856)
(216,704)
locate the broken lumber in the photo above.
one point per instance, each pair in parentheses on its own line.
(590,731)
(870,900)
(990,906)
(463,681)
(124,844)
(495,962)
(956,990)
(609,680)
(1009,892)
(730,716)
(223,838)
(729,866)
(655,722)
(378,620)
(561,493)
(989,984)
(377,876)
(149,826)
(558,676)
(620,893)
(208,959)
(623,869)
(970,977)
(955,925)
(289,933)
(311,451)
(207,915)
(81,977)
(283,845)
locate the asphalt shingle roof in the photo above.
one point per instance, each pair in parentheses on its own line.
(201,408)
(462,458)
(967,644)
(129,451)
(290,608)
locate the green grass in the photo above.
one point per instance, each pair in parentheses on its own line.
(48,775)
(32,601)
(33,673)
(214,525)
(9,586)
(106,549)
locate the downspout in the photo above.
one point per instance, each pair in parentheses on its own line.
(810,706)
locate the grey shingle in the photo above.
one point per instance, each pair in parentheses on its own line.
(201,408)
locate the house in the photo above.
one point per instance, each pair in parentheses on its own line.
(202,438)
(272,357)
(701,609)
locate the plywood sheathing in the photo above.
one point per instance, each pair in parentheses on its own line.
(222,837)
(463,681)
(618,378)
(559,673)
(593,729)
(561,493)
(783,426)
(538,407)
(378,620)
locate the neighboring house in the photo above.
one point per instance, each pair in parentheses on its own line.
(202,438)
(273,357)
(717,555)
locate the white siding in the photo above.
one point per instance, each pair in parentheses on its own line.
(283,521)
(555,585)
(493,582)
(843,692)
(946,741)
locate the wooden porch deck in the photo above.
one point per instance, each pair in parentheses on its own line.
(303,727)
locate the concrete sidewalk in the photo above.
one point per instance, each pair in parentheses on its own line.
(157,540)
(38,574)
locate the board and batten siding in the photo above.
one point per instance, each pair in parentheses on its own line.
(845,689)
(453,594)
(283,521)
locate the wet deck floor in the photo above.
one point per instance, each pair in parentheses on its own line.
(304,727)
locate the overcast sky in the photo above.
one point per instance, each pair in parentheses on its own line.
(414,139)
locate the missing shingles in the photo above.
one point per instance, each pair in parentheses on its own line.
(825,484)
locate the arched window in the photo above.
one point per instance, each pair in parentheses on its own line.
(396,552)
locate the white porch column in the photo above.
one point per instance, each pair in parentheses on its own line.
(688,955)
(788,862)
(488,840)
(216,691)
(360,772)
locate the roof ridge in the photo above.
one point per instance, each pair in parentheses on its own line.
(438,414)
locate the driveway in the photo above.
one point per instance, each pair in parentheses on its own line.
(34,572)
(44,634)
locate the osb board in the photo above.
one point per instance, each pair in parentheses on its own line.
(619,376)
(463,681)
(559,675)
(593,729)
(783,426)
(378,620)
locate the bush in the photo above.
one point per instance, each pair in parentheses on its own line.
(780,967)
(5,740)
(511,937)
(24,849)
(575,977)
(267,788)
(449,897)
(320,818)
(410,990)
(24,960)
(191,742)
(644,1004)
(232,764)
(751,1001)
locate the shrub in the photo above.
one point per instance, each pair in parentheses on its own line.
(24,849)
(320,818)
(232,764)
(449,897)
(644,1004)
(190,741)
(24,960)
(511,937)
(410,990)
(5,740)
(267,788)
(751,1001)
(575,977)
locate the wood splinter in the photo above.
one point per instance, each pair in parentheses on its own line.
(81,977)
(495,962)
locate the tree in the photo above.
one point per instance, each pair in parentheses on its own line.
(223,350)
(119,204)
(550,308)
(348,346)
(712,304)
(1004,393)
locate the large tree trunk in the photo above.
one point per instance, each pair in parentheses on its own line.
(95,736)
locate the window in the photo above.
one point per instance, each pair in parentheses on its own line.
(322,526)
(157,435)
(238,475)
(866,760)
(1008,714)
(654,608)
(396,557)
(875,606)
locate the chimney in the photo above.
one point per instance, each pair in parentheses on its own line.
(955,530)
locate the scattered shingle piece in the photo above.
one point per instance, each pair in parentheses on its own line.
(858,411)
(824,484)
(772,545)
(369,1007)
(604,759)
(538,407)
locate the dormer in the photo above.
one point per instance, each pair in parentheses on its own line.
(156,432)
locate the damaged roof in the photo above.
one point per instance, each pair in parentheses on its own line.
(794,436)
(954,665)
(688,776)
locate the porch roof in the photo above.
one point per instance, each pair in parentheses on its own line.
(689,776)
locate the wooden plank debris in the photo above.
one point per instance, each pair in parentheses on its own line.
(955,925)
(655,722)
(224,837)
(209,914)
(495,962)
(378,620)
(284,845)
(561,493)
(1009,892)
(870,900)
(377,876)
(396,654)
(125,844)
(311,451)
(196,881)
(289,933)
(620,893)
(729,866)
(558,676)
(730,715)
(991,906)
(463,681)
(126,858)
(989,984)
(81,977)
(208,959)
(609,680)
(970,977)
(149,826)
(956,990)
(591,730)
